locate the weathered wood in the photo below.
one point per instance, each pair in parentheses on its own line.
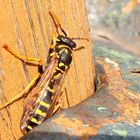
(26,27)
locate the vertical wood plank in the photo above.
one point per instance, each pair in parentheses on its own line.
(27,28)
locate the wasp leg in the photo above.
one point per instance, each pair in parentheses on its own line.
(56,108)
(22,58)
(54,40)
(22,93)
(51,50)
(58,105)
(26,90)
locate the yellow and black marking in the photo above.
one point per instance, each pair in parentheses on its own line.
(40,112)
(61,50)
(29,127)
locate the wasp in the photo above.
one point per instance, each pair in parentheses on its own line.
(51,79)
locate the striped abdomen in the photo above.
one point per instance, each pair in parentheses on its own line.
(38,115)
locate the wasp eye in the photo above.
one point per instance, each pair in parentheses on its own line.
(64,39)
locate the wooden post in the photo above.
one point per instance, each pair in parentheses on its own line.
(26,27)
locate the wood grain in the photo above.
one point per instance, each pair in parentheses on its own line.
(26,27)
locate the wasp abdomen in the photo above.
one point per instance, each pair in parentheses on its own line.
(39,114)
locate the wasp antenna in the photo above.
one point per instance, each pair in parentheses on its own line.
(79,48)
(80,38)
(57,23)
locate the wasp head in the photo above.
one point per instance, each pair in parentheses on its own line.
(66,41)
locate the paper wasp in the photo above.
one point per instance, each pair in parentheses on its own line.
(44,97)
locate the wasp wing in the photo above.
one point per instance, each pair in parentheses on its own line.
(59,85)
(38,90)
(40,105)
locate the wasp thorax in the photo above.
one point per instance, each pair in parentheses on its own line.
(66,41)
